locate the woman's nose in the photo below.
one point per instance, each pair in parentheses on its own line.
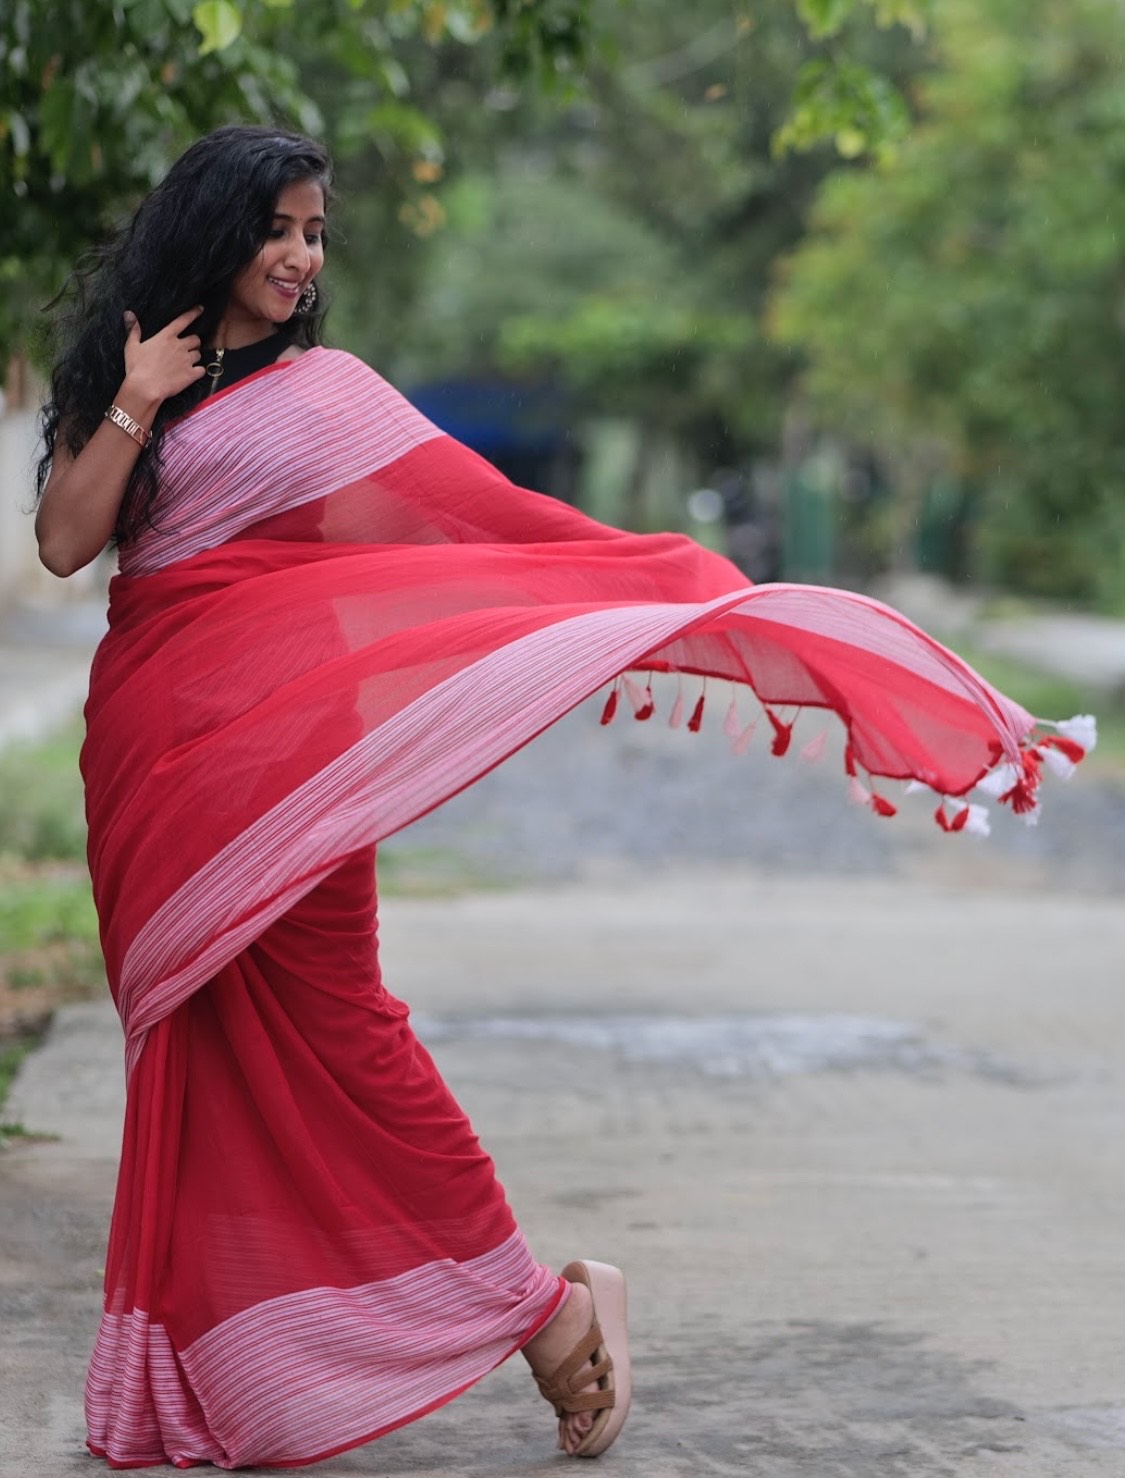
(297,255)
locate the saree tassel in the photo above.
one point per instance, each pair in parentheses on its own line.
(881,806)
(648,704)
(610,707)
(1022,796)
(695,723)
(732,728)
(813,752)
(1061,755)
(676,717)
(782,733)
(742,743)
(1082,729)
(957,822)
(634,694)
(858,793)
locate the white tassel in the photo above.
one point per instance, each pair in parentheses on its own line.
(677,715)
(999,781)
(731,726)
(813,751)
(742,743)
(858,793)
(978,824)
(1057,762)
(636,697)
(1082,728)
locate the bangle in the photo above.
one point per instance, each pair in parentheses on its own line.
(128,425)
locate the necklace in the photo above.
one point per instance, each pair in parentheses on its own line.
(215,369)
(232,365)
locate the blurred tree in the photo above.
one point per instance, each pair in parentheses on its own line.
(97,96)
(965,306)
(626,245)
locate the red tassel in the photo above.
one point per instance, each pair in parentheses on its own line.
(849,760)
(782,735)
(610,707)
(695,723)
(1021,797)
(958,821)
(1074,752)
(647,708)
(882,807)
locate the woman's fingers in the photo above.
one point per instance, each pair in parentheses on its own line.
(166,363)
(177,326)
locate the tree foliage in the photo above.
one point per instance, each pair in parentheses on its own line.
(970,298)
(97,97)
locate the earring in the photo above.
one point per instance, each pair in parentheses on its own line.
(308,300)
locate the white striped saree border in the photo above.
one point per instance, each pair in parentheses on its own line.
(310,1374)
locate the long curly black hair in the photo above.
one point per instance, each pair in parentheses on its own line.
(204,222)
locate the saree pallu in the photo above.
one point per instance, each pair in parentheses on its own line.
(342,618)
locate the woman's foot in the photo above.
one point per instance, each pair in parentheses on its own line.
(588,1332)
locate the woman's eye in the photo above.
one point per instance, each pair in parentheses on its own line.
(314,240)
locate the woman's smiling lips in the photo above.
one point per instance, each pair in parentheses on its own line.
(287,289)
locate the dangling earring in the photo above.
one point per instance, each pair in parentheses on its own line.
(308,300)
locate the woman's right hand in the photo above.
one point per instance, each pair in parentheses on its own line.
(161,366)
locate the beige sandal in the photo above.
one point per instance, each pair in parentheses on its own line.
(602,1355)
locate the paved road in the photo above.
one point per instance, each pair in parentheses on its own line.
(856,1140)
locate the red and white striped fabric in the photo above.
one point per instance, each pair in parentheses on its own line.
(342,618)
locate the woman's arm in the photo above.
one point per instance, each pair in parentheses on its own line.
(83,495)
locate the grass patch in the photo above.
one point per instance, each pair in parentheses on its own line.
(432,872)
(42,816)
(12,1055)
(49,951)
(48,937)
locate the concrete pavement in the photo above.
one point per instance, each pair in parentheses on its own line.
(857,1143)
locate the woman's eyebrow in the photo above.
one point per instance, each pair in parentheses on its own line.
(279,215)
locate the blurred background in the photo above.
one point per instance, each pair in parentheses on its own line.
(837,287)
(844,298)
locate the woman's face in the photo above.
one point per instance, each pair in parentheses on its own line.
(266,291)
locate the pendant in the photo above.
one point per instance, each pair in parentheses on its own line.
(215,368)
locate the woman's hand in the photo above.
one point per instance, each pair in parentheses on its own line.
(161,366)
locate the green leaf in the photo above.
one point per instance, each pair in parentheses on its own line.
(913,14)
(824,17)
(853,106)
(56,119)
(218,22)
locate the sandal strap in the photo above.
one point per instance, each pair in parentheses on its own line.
(582,1367)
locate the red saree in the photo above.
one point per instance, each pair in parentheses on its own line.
(343,619)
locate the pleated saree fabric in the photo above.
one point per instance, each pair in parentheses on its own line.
(342,618)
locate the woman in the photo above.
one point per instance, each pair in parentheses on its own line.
(329,618)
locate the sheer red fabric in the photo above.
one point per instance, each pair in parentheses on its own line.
(342,619)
